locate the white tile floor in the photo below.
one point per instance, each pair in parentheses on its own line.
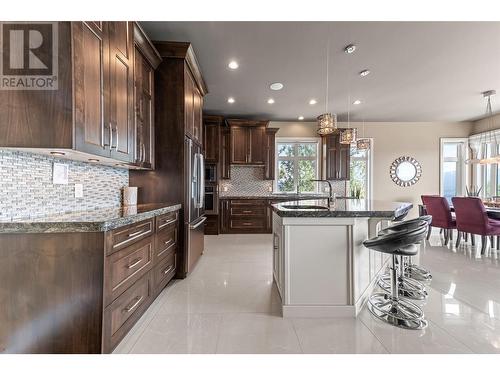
(229,305)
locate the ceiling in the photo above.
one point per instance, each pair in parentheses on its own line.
(420,71)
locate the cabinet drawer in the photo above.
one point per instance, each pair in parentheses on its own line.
(248,223)
(248,211)
(124,267)
(166,242)
(163,221)
(126,236)
(164,272)
(248,202)
(121,315)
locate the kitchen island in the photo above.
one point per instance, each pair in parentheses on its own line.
(320,266)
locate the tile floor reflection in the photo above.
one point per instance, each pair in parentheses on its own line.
(230,305)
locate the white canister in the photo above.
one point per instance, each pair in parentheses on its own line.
(130,196)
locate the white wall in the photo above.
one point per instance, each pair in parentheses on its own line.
(391,140)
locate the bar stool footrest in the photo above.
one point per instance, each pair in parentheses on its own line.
(397,312)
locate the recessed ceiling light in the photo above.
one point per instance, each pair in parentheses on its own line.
(230,100)
(356,102)
(276,86)
(312,101)
(57,153)
(350,48)
(233,65)
(364,73)
(270,101)
(301,118)
(94,160)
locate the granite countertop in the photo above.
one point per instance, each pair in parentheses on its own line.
(100,220)
(275,196)
(344,208)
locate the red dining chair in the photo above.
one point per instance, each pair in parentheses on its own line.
(439,208)
(472,218)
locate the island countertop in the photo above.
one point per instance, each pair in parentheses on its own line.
(99,220)
(343,208)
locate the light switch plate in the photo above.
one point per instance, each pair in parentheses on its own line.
(78,191)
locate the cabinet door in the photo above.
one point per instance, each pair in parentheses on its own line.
(225,154)
(239,145)
(90,71)
(224,215)
(188,103)
(344,162)
(332,154)
(197,115)
(256,143)
(211,142)
(269,153)
(121,94)
(144,113)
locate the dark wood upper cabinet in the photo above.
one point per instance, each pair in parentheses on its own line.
(269,162)
(121,90)
(91,71)
(248,141)
(212,137)
(193,100)
(225,154)
(92,113)
(239,145)
(147,60)
(338,158)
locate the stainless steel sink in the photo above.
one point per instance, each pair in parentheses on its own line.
(304,207)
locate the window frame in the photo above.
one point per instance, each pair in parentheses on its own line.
(461,179)
(369,167)
(277,158)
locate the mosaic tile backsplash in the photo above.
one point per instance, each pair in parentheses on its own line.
(249,181)
(26,188)
(246,181)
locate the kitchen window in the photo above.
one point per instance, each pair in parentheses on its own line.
(297,163)
(360,182)
(453,173)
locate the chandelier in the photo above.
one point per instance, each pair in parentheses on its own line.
(478,151)
(349,135)
(363,143)
(327,122)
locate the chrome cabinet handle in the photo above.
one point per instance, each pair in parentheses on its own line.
(135,263)
(247,212)
(169,241)
(134,305)
(143,149)
(135,233)
(168,270)
(111,135)
(166,223)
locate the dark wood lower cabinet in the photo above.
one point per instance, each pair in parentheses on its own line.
(212,225)
(245,216)
(82,292)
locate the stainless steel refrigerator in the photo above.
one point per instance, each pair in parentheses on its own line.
(195,196)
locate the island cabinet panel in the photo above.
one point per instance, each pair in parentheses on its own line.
(92,112)
(338,158)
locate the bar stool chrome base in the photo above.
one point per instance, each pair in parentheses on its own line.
(418,273)
(397,312)
(407,287)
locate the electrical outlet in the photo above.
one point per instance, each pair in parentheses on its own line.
(78,190)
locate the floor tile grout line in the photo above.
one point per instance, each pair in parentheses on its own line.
(297,335)
(218,334)
(453,336)
(373,333)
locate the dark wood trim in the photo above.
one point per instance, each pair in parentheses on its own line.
(243,122)
(146,47)
(183,50)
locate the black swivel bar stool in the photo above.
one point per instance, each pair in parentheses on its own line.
(392,308)
(410,269)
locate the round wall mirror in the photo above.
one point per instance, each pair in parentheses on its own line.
(405,171)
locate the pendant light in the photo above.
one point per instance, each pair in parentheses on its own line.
(490,136)
(363,143)
(327,122)
(349,135)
